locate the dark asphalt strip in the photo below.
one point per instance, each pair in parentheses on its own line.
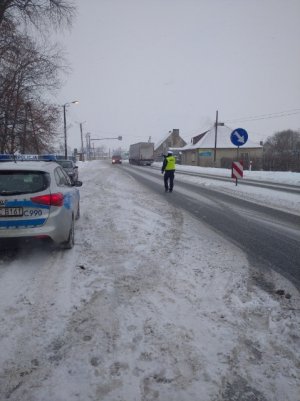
(232,201)
(264,234)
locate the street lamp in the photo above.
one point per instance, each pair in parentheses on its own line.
(65,125)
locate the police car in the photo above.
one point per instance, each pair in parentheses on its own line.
(70,168)
(38,201)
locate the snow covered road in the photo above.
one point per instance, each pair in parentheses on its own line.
(264,231)
(149,305)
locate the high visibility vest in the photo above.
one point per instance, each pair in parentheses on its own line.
(171,163)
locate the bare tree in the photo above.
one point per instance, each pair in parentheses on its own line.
(54,12)
(26,74)
(42,121)
(282,151)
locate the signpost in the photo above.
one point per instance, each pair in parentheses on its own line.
(238,137)
(237,171)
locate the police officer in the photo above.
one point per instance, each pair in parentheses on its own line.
(168,168)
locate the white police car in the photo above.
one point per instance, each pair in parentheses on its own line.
(38,201)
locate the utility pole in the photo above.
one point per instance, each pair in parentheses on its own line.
(216,135)
(88,145)
(65,125)
(65,131)
(81,139)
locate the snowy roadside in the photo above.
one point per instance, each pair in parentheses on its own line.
(276,199)
(149,305)
(280,177)
(280,200)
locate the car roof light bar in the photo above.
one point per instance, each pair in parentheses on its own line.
(27,157)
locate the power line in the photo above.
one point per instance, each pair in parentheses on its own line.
(266,116)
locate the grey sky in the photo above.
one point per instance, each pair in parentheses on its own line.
(144,67)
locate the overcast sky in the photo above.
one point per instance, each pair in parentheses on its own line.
(143,67)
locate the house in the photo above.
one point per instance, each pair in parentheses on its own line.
(171,140)
(211,150)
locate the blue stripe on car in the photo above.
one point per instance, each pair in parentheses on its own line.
(22,223)
(68,201)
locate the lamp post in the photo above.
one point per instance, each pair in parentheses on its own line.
(65,125)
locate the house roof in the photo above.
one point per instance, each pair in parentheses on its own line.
(223,140)
(157,145)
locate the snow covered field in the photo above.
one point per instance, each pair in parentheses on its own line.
(149,305)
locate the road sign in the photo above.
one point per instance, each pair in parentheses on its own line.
(237,170)
(239,137)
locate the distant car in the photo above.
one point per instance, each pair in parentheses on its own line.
(70,167)
(38,201)
(116,159)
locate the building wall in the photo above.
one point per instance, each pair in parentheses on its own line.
(172,141)
(224,157)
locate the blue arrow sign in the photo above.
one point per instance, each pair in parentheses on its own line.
(239,137)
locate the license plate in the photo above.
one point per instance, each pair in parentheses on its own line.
(11,211)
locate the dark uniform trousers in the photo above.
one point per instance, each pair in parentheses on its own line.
(169,179)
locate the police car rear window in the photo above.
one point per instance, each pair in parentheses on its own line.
(65,163)
(19,182)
